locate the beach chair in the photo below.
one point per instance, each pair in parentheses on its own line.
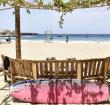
(6,65)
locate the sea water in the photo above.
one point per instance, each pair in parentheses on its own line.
(63,37)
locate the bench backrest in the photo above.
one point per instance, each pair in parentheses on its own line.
(80,69)
(92,68)
(44,68)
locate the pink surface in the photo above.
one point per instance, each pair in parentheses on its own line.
(60,91)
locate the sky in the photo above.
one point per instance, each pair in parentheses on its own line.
(80,21)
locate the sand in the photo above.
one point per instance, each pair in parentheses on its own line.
(78,50)
(40,50)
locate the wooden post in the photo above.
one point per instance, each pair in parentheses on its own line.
(34,71)
(79,70)
(17,32)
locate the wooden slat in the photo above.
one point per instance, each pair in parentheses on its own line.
(91,68)
(101,70)
(41,69)
(46,69)
(56,69)
(105,71)
(94,67)
(98,67)
(86,70)
(70,69)
(12,71)
(51,69)
(62,68)
(79,70)
(67,69)
(34,71)
(73,68)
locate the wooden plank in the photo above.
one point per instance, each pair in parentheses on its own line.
(71,73)
(67,69)
(91,68)
(57,69)
(74,68)
(98,67)
(101,71)
(105,71)
(41,69)
(94,68)
(34,71)
(79,70)
(46,69)
(51,69)
(86,70)
(62,73)
(12,69)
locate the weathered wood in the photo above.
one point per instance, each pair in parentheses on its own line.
(4,73)
(67,69)
(93,68)
(34,71)
(51,69)
(79,70)
(56,69)
(17,31)
(98,67)
(62,68)
(46,68)
(41,69)
(105,71)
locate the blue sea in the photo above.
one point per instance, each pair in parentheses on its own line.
(64,37)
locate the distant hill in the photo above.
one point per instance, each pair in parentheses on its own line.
(28,33)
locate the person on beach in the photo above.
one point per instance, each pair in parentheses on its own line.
(67,39)
(8,40)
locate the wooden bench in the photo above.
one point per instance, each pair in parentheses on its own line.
(92,69)
(30,69)
(97,69)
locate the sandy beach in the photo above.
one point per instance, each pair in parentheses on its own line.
(60,50)
(40,50)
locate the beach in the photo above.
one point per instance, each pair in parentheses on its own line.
(40,51)
(61,50)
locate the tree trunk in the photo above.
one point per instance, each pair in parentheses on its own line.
(17,32)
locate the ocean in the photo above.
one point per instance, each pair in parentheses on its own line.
(64,37)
